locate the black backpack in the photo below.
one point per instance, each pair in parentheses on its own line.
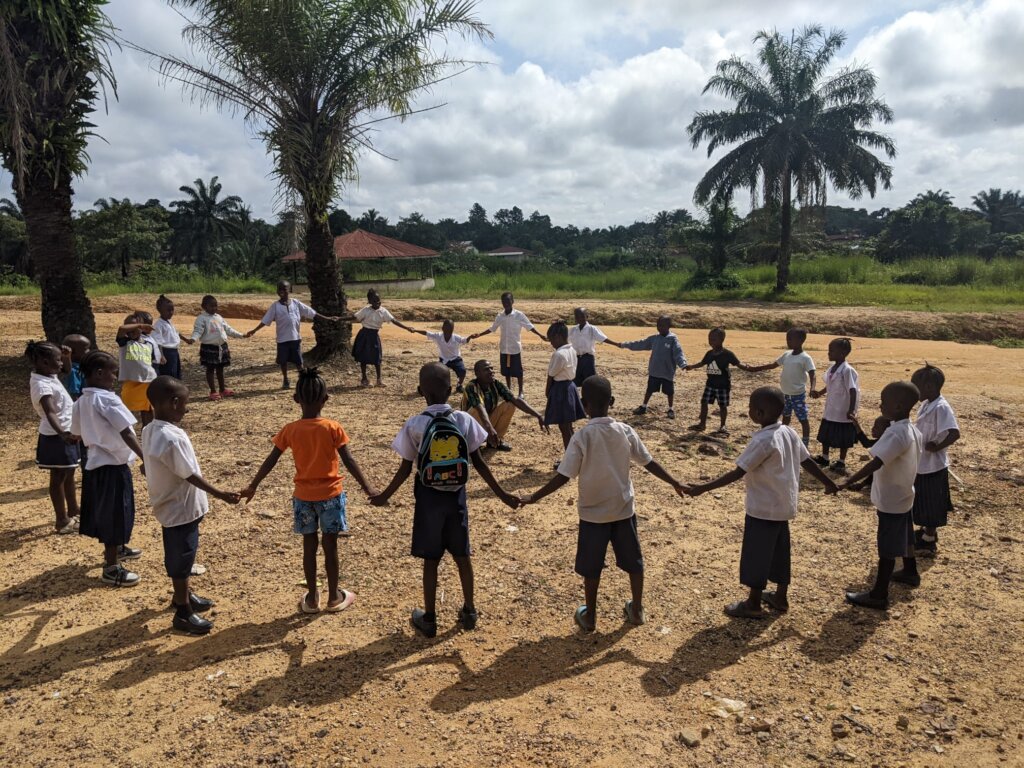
(443,460)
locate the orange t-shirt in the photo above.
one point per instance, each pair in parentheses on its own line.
(314,444)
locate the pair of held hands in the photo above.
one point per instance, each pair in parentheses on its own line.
(250,334)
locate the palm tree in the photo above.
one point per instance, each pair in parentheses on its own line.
(9,208)
(1004,211)
(203,218)
(53,66)
(798,129)
(940,197)
(370,220)
(311,76)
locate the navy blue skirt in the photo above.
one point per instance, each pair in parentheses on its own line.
(837,434)
(53,453)
(367,348)
(586,366)
(173,365)
(108,504)
(564,404)
(932,500)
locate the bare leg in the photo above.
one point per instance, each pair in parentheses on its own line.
(725,414)
(465,565)
(377,367)
(70,494)
(145,417)
(284,374)
(590,596)
(805,429)
(364,381)
(703,421)
(886,565)
(181,594)
(220,377)
(842,454)
(209,378)
(310,545)
(636,586)
(430,587)
(57,477)
(519,382)
(566,430)
(330,542)
(110,554)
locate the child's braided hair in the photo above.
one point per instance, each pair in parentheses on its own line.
(94,361)
(35,350)
(558,329)
(311,389)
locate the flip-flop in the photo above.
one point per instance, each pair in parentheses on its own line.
(304,607)
(70,527)
(215,396)
(228,393)
(721,431)
(772,599)
(633,618)
(580,618)
(346,601)
(740,610)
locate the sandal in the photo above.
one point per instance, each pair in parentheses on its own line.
(347,598)
(227,393)
(580,617)
(721,431)
(304,607)
(636,619)
(70,527)
(215,396)
(741,610)
(772,599)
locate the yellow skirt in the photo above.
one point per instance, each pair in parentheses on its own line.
(134,395)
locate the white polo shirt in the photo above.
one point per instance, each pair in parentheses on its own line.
(374,319)
(599,455)
(772,462)
(585,340)
(934,420)
(170,461)
(99,417)
(287,319)
(563,363)
(839,381)
(165,334)
(793,380)
(40,386)
(407,442)
(899,448)
(511,327)
(447,349)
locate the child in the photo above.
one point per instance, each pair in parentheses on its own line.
(440,441)
(600,455)
(212,332)
(719,384)
(367,349)
(108,498)
(797,370)
(73,348)
(939,429)
(138,357)
(319,501)
(841,392)
(56,447)
(287,314)
(177,492)
(510,322)
(770,467)
(894,464)
(666,356)
(584,337)
(167,338)
(449,346)
(564,406)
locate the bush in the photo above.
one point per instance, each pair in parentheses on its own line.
(11,279)
(704,280)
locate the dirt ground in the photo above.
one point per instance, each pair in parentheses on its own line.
(94,676)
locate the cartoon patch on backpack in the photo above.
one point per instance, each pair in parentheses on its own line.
(443,460)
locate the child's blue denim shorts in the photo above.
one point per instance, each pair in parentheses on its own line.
(327,515)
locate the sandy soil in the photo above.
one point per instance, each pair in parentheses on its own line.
(95,673)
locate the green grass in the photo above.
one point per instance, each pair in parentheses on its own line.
(197,284)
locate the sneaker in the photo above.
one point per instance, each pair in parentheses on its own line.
(119,576)
(286,384)
(124,552)
(467,618)
(821,461)
(194,624)
(839,467)
(428,628)
(671,414)
(640,410)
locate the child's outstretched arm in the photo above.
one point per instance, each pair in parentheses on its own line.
(410,329)
(528,409)
(663,474)
(485,473)
(250,334)
(816,393)
(356,471)
(226,496)
(696,489)
(951,437)
(814,470)
(640,345)
(868,469)
(402,325)
(127,328)
(401,475)
(765,367)
(268,464)
(552,485)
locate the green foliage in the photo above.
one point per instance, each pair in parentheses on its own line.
(119,233)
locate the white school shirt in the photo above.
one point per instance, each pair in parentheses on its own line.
(838,384)
(449,349)
(165,334)
(213,329)
(599,454)
(511,327)
(170,461)
(563,363)
(793,380)
(407,442)
(772,462)
(934,420)
(899,448)
(287,318)
(374,319)
(99,417)
(40,386)
(585,340)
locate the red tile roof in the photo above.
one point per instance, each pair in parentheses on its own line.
(366,245)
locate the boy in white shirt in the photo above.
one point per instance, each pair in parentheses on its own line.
(797,370)
(770,466)
(177,493)
(939,429)
(894,464)
(441,517)
(600,455)
(584,337)
(511,322)
(449,348)
(564,406)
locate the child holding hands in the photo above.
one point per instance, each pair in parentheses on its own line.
(212,332)
(666,356)
(797,370)
(841,393)
(564,406)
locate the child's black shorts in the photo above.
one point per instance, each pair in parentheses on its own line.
(440,523)
(895,535)
(592,544)
(654,384)
(766,553)
(181,542)
(512,365)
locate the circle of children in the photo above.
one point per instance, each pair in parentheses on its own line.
(84,423)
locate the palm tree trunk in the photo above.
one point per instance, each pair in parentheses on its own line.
(325,291)
(786,238)
(46,204)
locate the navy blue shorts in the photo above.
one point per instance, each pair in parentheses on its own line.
(108,504)
(512,365)
(53,453)
(181,542)
(654,384)
(172,366)
(586,366)
(457,365)
(289,352)
(440,523)
(765,555)
(895,535)
(592,545)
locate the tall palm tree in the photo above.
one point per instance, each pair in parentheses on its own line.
(311,76)
(798,129)
(1004,211)
(53,67)
(9,208)
(203,219)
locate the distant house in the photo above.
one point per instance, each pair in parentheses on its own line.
(461,246)
(511,253)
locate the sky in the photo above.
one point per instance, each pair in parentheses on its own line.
(581,109)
